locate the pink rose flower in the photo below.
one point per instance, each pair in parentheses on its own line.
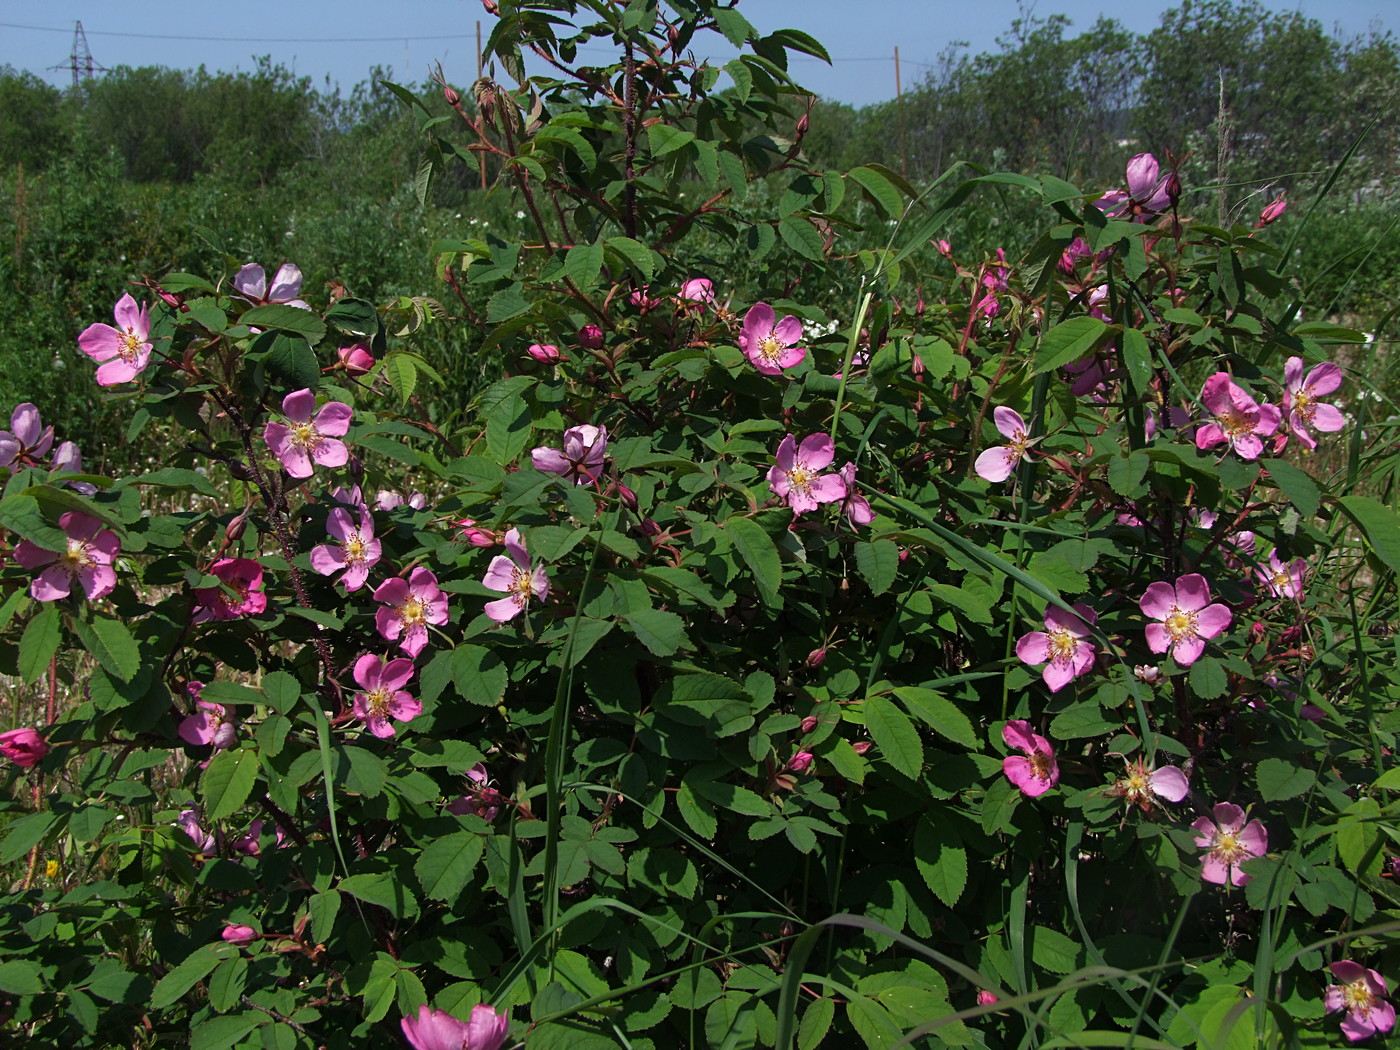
(28,440)
(1362,995)
(439,1030)
(1301,407)
(590,337)
(1240,421)
(211,724)
(123,352)
(997,464)
(511,572)
(356,359)
(1228,842)
(582,458)
(481,799)
(301,439)
(1038,772)
(1141,783)
(797,478)
(241,592)
(409,607)
(87,560)
(383,698)
(698,290)
(24,747)
(1147,194)
(474,534)
(1062,644)
(1186,619)
(356,550)
(771,345)
(251,284)
(240,935)
(1283,581)
(854,505)
(800,762)
(205,842)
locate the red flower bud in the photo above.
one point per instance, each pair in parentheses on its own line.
(816,658)
(590,337)
(545,353)
(23,747)
(356,358)
(800,762)
(628,497)
(235,934)
(862,747)
(451,95)
(809,723)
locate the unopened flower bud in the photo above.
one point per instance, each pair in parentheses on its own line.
(1173,188)
(800,762)
(475,535)
(233,531)
(673,35)
(816,658)
(1272,211)
(451,95)
(491,6)
(235,934)
(985,998)
(862,747)
(944,248)
(356,358)
(545,353)
(1257,633)
(590,337)
(903,554)
(809,723)
(802,125)
(628,497)
(1148,673)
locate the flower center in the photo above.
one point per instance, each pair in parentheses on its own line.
(240,594)
(378,700)
(1281,580)
(1228,850)
(1358,996)
(355,549)
(1304,404)
(800,477)
(1236,424)
(131,346)
(521,587)
(1137,784)
(305,435)
(769,348)
(76,557)
(1062,645)
(1180,623)
(413,611)
(1041,764)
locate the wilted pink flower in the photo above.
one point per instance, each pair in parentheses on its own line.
(988,306)
(996,276)
(642,301)
(1242,541)
(383,698)
(355,550)
(590,337)
(1185,617)
(1038,772)
(697,290)
(481,799)
(250,845)
(240,935)
(1300,399)
(797,477)
(1062,646)
(1239,419)
(123,352)
(1078,249)
(800,762)
(206,842)
(251,284)
(302,439)
(87,559)
(582,458)
(769,344)
(545,353)
(386,500)
(356,359)
(1362,995)
(1273,211)
(468,529)
(240,576)
(1147,194)
(439,1030)
(1283,581)
(1141,784)
(511,572)
(68,460)
(1148,673)
(1228,842)
(409,607)
(30,440)
(23,747)
(210,724)
(855,506)
(997,464)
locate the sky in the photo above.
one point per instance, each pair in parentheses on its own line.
(343,39)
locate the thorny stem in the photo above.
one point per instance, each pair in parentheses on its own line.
(629,128)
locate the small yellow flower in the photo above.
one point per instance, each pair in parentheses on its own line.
(51,869)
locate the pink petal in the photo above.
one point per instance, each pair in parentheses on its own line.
(551,461)
(1187,651)
(298,404)
(758,322)
(334,418)
(404,707)
(1328,418)
(1018,771)
(414,640)
(387,622)
(1248,446)
(787,453)
(1254,838)
(396,674)
(995,464)
(380,727)
(1209,436)
(1158,640)
(1213,870)
(1383,1016)
(51,584)
(1216,395)
(1213,619)
(539,583)
(1018,734)
(286,284)
(500,574)
(1323,379)
(788,331)
(393,591)
(828,488)
(1228,816)
(277,436)
(1169,783)
(114,373)
(1033,648)
(1076,623)
(1205,832)
(1057,675)
(1158,602)
(503,609)
(330,453)
(97,580)
(251,281)
(1009,422)
(1293,374)
(1192,592)
(793,355)
(817,451)
(32,556)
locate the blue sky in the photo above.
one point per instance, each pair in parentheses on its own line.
(342,39)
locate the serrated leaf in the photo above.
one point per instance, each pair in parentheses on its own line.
(445,866)
(193,969)
(1359,837)
(383,890)
(1070,341)
(881,190)
(941,859)
(26,833)
(354,317)
(1380,525)
(226,1030)
(402,375)
(112,644)
(1137,357)
(479,674)
(761,556)
(227,782)
(20,514)
(291,360)
(1300,489)
(178,478)
(802,237)
(878,562)
(895,736)
(940,714)
(1208,678)
(287,319)
(1281,778)
(39,643)
(634,254)
(1125,473)
(21,977)
(660,631)
(731,797)
(583,264)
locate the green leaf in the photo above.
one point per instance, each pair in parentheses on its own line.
(39,642)
(1208,678)
(445,866)
(802,237)
(816,1022)
(286,319)
(1281,778)
(354,317)
(881,190)
(1378,522)
(112,644)
(733,25)
(665,139)
(178,478)
(1125,473)
(1137,356)
(26,833)
(1300,489)
(731,797)
(940,714)
(479,674)
(941,859)
(21,977)
(20,514)
(291,360)
(226,1030)
(761,556)
(1359,842)
(195,967)
(383,890)
(878,562)
(505,304)
(660,631)
(895,736)
(635,254)
(228,781)
(1052,950)
(1071,341)
(402,374)
(743,79)
(584,263)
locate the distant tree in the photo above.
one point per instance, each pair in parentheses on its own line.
(33,124)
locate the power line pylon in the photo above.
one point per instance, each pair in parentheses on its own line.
(81,61)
